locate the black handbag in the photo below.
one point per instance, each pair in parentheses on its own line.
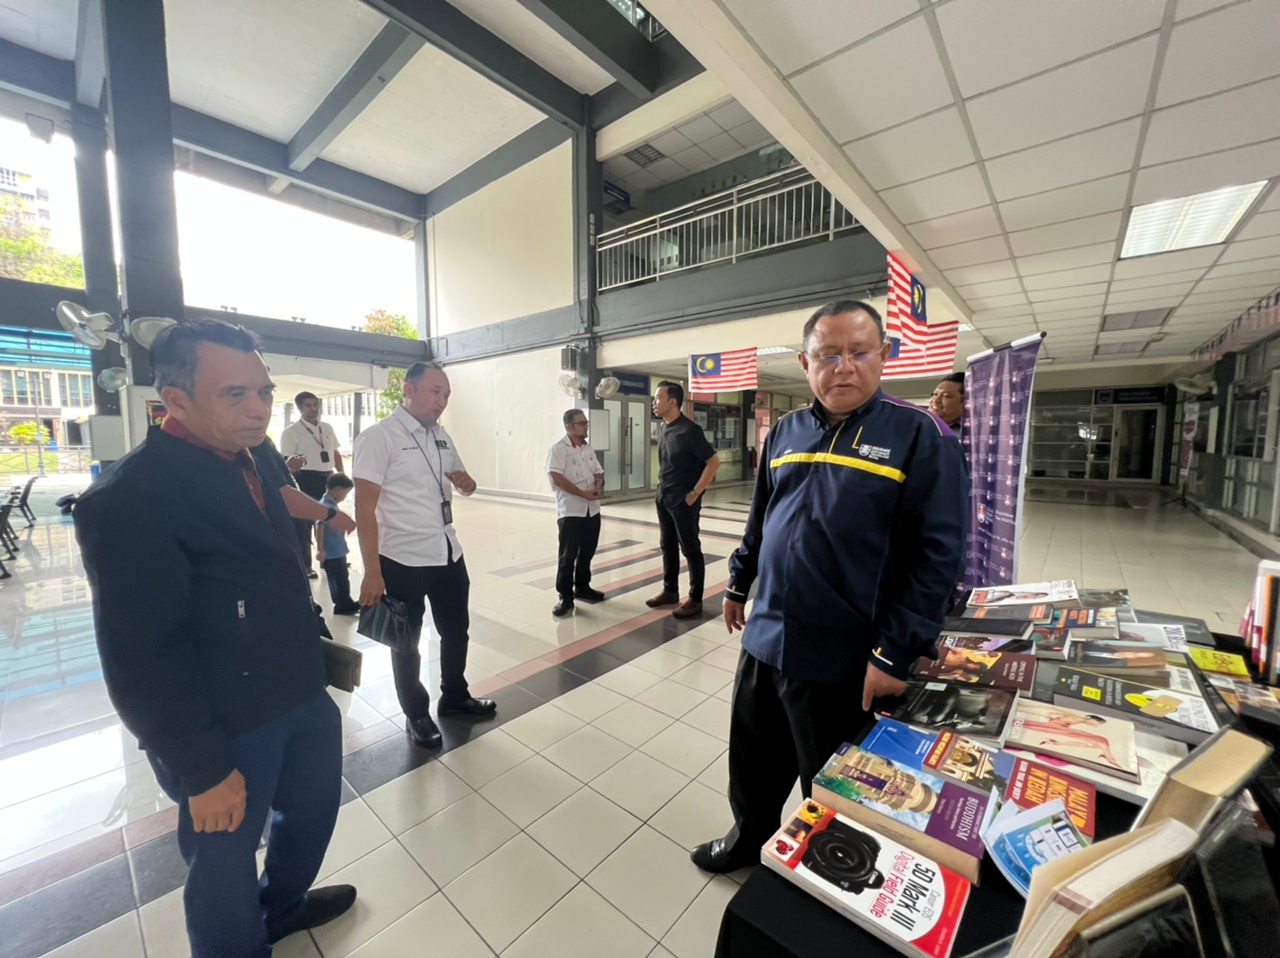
(387,623)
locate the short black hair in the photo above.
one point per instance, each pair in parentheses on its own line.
(418,370)
(571,414)
(337,480)
(674,390)
(302,397)
(176,351)
(835,308)
(957,378)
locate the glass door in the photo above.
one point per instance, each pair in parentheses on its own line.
(613,455)
(1136,453)
(626,461)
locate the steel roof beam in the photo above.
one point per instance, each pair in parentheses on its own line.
(604,36)
(91,55)
(384,57)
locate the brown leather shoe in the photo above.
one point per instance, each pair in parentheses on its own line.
(661,599)
(687,609)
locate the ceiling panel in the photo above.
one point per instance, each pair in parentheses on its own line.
(509,20)
(434,119)
(937,196)
(1252,249)
(995,288)
(957,228)
(1070,202)
(994,42)
(48,26)
(1246,164)
(1066,259)
(1261,224)
(1068,277)
(227,59)
(1086,156)
(1059,293)
(983,273)
(1218,52)
(1167,262)
(1102,89)
(1264,265)
(998,302)
(1235,118)
(1081,232)
(970,254)
(793,35)
(880,97)
(924,147)
(1169,295)
(1247,281)
(1162,279)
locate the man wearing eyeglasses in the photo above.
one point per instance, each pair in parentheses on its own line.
(854,544)
(578,480)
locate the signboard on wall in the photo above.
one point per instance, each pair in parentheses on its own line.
(632,384)
(1130,396)
(1190,419)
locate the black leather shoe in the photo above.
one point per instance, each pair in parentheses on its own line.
(589,595)
(468,706)
(323,906)
(563,607)
(716,857)
(423,732)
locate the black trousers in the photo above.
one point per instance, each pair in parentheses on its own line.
(339,576)
(448,588)
(579,536)
(313,484)
(779,729)
(678,532)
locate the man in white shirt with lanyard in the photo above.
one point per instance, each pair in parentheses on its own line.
(578,479)
(310,447)
(406,469)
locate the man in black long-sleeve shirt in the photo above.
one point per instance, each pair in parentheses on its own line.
(854,543)
(210,646)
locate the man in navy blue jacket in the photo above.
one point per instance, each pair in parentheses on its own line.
(854,544)
(210,646)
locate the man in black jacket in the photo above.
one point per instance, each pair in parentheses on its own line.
(210,647)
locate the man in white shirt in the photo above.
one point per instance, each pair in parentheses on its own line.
(578,479)
(406,469)
(310,447)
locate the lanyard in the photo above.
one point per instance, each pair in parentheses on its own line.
(439,455)
(319,439)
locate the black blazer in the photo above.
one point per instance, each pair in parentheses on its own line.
(203,614)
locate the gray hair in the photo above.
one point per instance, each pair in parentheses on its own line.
(175,353)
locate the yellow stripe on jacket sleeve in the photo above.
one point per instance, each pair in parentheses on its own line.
(897,475)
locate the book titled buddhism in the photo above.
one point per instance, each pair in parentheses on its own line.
(909,901)
(922,811)
(1002,670)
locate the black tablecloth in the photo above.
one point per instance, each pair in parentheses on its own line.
(771,918)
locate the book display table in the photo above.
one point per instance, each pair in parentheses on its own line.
(771,918)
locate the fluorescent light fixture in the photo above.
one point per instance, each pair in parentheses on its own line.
(966,327)
(774,350)
(1200,220)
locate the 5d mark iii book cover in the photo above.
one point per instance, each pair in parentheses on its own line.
(905,899)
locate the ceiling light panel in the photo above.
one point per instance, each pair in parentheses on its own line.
(1200,220)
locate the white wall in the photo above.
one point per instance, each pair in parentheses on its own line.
(506,250)
(504,414)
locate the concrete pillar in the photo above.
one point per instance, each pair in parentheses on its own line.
(424,288)
(142,139)
(102,293)
(357,408)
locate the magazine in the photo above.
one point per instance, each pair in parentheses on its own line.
(1083,738)
(908,901)
(1020,594)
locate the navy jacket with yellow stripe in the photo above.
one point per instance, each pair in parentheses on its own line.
(856,535)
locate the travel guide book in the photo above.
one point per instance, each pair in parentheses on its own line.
(1223,663)
(1061,590)
(918,809)
(986,643)
(1081,737)
(1176,715)
(1005,670)
(981,713)
(963,760)
(907,900)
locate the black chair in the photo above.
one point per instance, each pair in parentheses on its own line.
(23,505)
(8,538)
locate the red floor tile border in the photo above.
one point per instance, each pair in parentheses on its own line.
(54,868)
(153,826)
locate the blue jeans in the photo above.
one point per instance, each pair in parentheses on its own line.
(292,769)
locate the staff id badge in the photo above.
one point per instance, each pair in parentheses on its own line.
(324,455)
(446,511)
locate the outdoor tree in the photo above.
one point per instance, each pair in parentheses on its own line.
(390,324)
(24,434)
(25,252)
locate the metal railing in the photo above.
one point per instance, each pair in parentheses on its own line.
(29,460)
(778,210)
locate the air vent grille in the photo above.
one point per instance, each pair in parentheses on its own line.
(644,154)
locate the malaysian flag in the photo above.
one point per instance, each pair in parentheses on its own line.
(917,347)
(723,372)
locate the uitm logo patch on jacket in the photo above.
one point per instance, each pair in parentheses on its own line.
(869,451)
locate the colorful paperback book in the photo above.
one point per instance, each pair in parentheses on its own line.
(1236,691)
(1030,592)
(1176,715)
(986,643)
(1040,613)
(1034,783)
(1050,643)
(1005,670)
(1224,663)
(981,713)
(1080,737)
(1087,623)
(1021,840)
(907,900)
(1157,755)
(965,761)
(1117,599)
(1168,636)
(1118,658)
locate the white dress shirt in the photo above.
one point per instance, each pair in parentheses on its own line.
(303,439)
(580,466)
(409,463)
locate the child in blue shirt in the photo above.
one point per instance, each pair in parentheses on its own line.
(331,548)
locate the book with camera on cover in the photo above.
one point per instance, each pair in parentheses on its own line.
(915,807)
(1005,670)
(1087,739)
(910,902)
(965,761)
(1176,715)
(981,713)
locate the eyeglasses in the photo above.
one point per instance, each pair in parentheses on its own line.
(578,422)
(832,361)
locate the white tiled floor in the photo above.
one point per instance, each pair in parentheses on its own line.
(566,832)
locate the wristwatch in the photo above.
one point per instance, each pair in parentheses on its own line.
(332,512)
